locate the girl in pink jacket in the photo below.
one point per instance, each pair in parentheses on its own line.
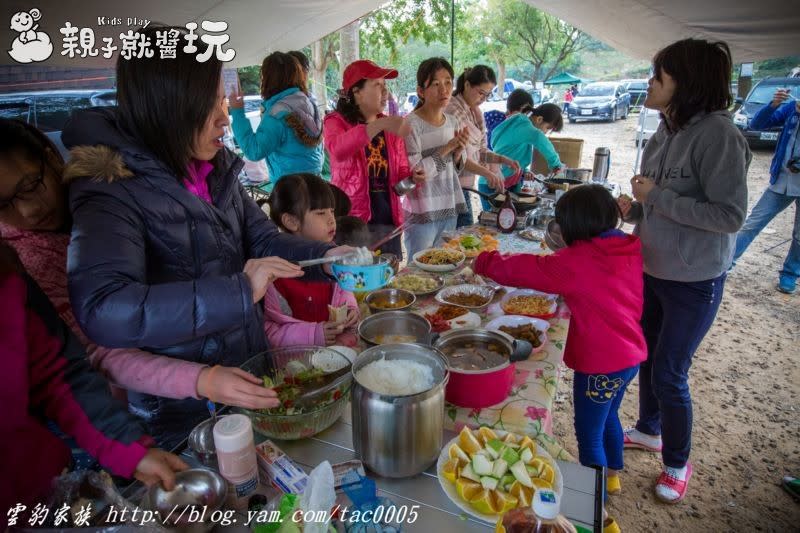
(299,312)
(366,150)
(599,274)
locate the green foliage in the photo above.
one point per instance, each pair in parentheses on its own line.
(250,79)
(389,28)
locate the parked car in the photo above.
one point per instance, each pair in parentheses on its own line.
(759,96)
(637,90)
(647,126)
(509,86)
(49,110)
(410,103)
(542,96)
(602,100)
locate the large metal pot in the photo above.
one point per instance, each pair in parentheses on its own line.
(491,382)
(399,436)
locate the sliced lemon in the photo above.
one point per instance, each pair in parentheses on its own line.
(547,473)
(450,470)
(468,442)
(483,502)
(541,484)
(455,452)
(467,489)
(503,502)
(523,494)
(486,434)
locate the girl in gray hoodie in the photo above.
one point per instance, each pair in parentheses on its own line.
(691,199)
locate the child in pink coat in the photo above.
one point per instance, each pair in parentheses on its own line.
(299,312)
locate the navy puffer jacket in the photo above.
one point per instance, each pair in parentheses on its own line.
(155,267)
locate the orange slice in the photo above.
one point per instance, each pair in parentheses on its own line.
(486,434)
(523,494)
(450,470)
(467,489)
(455,452)
(503,502)
(468,442)
(483,502)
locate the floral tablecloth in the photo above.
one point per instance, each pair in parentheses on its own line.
(527,410)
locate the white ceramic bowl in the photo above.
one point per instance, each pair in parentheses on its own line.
(519,320)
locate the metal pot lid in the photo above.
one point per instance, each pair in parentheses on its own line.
(475,351)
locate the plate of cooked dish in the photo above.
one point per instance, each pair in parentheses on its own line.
(472,245)
(418,284)
(447,317)
(526,328)
(469,296)
(528,302)
(439,259)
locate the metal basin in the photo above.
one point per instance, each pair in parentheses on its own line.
(392,327)
(195,489)
(390,300)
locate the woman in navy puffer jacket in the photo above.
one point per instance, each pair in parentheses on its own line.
(166,247)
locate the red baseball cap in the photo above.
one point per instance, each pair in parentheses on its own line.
(365,69)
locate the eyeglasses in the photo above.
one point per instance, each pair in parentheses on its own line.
(483,94)
(25,190)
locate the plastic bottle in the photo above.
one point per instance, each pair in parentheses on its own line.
(543,517)
(507,216)
(236,454)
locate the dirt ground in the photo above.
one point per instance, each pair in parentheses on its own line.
(744,384)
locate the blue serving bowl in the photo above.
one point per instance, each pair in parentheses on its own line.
(363,277)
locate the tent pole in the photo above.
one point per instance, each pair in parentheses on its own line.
(452,32)
(639,135)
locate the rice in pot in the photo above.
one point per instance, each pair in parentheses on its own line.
(396,377)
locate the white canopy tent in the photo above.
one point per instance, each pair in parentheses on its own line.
(754,30)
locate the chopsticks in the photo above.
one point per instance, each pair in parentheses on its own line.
(394,233)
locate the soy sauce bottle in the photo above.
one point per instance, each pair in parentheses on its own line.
(507,216)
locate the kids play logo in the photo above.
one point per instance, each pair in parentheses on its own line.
(31,45)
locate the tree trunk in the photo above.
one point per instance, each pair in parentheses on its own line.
(501,78)
(348,45)
(319,64)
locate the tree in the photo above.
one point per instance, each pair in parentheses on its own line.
(349,41)
(523,32)
(383,31)
(323,53)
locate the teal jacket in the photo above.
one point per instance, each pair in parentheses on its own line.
(276,141)
(514,138)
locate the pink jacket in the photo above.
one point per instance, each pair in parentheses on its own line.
(345,143)
(44,255)
(284,330)
(602,282)
(46,376)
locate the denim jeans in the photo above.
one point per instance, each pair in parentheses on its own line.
(767,207)
(421,236)
(596,399)
(468,218)
(676,317)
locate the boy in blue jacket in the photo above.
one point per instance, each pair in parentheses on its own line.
(784,184)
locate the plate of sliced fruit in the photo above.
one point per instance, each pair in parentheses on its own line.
(487,472)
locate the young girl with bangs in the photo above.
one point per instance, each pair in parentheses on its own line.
(297,311)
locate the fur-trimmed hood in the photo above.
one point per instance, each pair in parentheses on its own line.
(99,163)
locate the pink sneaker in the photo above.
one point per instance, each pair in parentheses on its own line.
(669,487)
(635,439)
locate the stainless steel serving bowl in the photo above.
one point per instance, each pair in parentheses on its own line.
(393,299)
(553,237)
(389,327)
(198,488)
(583,174)
(201,442)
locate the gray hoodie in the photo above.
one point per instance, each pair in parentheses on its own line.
(689,221)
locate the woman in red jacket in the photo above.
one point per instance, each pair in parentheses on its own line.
(599,274)
(366,150)
(45,375)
